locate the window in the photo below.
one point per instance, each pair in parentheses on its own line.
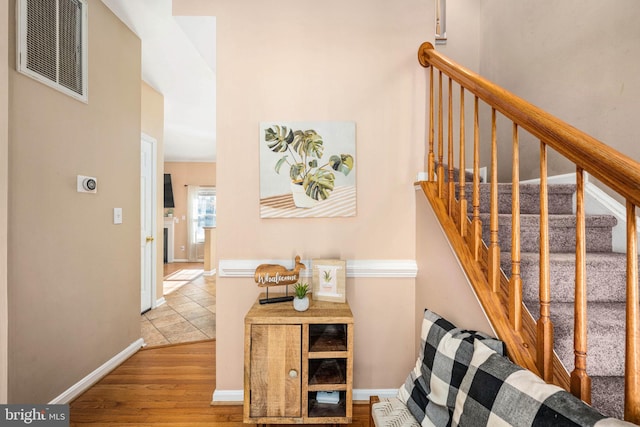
(201,212)
(204,211)
(52,44)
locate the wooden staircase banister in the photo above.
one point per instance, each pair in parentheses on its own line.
(530,342)
(614,169)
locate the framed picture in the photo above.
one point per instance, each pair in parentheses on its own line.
(307,169)
(329,277)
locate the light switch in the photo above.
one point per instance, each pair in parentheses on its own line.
(117,215)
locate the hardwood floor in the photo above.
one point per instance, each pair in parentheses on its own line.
(164,386)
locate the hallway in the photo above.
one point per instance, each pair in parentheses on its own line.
(189,312)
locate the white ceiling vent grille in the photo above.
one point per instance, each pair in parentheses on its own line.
(52,44)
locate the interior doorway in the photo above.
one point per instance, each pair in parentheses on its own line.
(148,206)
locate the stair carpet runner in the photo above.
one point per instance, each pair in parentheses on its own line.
(606,281)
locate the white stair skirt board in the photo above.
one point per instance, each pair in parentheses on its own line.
(83,385)
(359,395)
(597,202)
(209,273)
(355,268)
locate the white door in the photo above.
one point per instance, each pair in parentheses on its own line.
(147,222)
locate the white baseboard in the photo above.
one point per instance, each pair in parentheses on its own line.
(361,394)
(180,260)
(567,178)
(209,273)
(227,396)
(159,302)
(81,386)
(355,268)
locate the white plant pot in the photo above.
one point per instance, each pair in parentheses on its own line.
(300,198)
(301,304)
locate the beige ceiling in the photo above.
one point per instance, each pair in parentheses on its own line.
(179,61)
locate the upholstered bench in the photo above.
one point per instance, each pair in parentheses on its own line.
(463,378)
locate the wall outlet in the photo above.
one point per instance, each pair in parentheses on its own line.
(182,248)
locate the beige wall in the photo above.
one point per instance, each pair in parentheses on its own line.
(183,174)
(74,277)
(331,60)
(152,112)
(577,59)
(4,166)
(441,280)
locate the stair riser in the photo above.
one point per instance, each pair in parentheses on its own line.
(603,285)
(606,337)
(561,239)
(559,203)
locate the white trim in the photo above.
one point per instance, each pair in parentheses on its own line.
(209,273)
(227,396)
(359,394)
(180,260)
(481,171)
(81,386)
(599,202)
(159,302)
(567,178)
(363,394)
(355,268)
(382,268)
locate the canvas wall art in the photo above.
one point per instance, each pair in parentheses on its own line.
(307,169)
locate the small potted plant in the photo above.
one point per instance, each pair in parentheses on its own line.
(301,300)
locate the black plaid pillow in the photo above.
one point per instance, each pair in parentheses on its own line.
(431,388)
(497,392)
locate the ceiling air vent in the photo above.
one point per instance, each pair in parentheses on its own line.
(52,44)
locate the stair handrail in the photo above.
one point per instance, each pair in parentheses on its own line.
(482,264)
(618,171)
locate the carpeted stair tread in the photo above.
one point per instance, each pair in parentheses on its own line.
(606,275)
(606,336)
(606,279)
(560,198)
(562,232)
(606,396)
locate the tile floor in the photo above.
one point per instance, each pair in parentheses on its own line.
(189,313)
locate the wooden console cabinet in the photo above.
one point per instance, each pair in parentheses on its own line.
(290,356)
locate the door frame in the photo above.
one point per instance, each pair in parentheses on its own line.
(144,138)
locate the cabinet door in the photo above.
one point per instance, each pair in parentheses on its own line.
(275,370)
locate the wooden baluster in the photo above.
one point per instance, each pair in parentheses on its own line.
(440,171)
(463,178)
(544,342)
(580,381)
(431,158)
(494,246)
(450,160)
(476,223)
(632,352)
(515,283)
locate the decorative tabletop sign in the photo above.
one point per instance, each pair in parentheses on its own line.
(268,275)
